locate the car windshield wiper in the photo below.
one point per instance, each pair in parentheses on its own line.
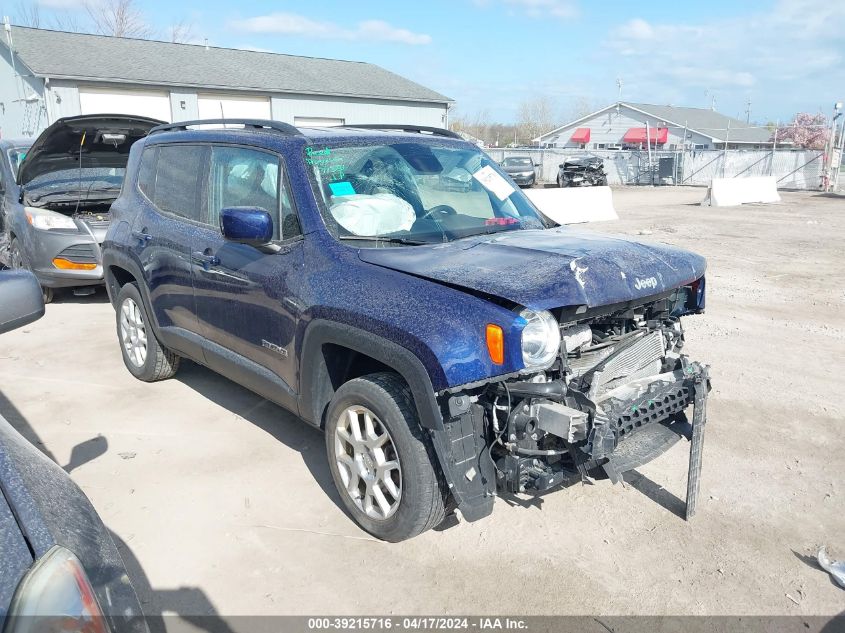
(383,238)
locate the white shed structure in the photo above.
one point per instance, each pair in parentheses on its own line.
(45,75)
(637,125)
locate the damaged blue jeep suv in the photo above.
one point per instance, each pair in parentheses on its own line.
(392,286)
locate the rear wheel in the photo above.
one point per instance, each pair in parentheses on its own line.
(16,260)
(143,355)
(380,459)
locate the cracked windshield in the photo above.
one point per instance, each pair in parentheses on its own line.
(416,193)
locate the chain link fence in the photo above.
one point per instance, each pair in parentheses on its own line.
(794,169)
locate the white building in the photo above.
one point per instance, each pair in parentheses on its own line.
(45,75)
(635,125)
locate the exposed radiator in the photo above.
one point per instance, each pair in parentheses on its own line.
(637,360)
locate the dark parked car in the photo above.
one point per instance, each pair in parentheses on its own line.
(584,171)
(56,196)
(450,341)
(521,169)
(59,568)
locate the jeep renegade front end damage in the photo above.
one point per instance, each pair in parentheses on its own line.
(392,286)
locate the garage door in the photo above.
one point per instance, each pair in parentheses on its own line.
(316,121)
(228,107)
(148,103)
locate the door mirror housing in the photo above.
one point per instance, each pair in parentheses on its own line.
(246,225)
(21,299)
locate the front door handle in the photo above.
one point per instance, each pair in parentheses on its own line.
(142,235)
(206,259)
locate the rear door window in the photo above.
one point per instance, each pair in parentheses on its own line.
(179,180)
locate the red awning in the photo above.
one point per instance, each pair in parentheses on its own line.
(581,135)
(657,135)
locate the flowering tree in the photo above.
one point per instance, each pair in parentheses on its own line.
(810,131)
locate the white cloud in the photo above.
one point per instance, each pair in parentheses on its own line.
(793,50)
(61,4)
(295,24)
(561,9)
(546,8)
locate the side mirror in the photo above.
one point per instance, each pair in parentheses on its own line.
(246,225)
(21,299)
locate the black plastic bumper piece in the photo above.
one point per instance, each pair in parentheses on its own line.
(466,464)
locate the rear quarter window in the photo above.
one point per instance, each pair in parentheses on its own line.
(178,182)
(147,172)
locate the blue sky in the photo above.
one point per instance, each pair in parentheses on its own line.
(488,55)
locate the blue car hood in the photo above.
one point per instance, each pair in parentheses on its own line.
(550,268)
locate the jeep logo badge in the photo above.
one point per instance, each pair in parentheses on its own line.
(649,282)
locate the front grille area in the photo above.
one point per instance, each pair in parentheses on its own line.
(79,254)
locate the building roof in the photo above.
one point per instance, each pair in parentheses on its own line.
(61,55)
(701,120)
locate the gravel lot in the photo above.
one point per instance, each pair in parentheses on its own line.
(223,503)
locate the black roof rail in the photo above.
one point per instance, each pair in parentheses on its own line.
(258,124)
(436,131)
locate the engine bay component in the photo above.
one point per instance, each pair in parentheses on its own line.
(614,398)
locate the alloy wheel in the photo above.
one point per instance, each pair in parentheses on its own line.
(368,462)
(133,333)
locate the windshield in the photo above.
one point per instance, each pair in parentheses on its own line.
(517,162)
(94,182)
(16,155)
(416,193)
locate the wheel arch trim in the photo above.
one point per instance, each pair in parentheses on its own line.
(313,399)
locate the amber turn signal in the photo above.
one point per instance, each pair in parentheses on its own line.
(66,264)
(496,344)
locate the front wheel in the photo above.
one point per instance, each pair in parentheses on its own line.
(380,459)
(143,355)
(562,181)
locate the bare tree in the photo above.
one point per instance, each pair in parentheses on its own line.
(582,106)
(119,18)
(28,14)
(181,32)
(535,116)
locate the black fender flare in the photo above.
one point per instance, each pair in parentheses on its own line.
(121,260)
(312,374)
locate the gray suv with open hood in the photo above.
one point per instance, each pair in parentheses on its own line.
(55,209)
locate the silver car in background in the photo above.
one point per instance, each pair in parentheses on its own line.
(55,213)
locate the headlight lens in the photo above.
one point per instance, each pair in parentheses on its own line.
(46,220)
(540,338)
(56,595)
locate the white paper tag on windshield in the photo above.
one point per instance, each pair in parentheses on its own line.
(493,182)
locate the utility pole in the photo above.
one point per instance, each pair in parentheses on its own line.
(830,146)
(774,147)
(619,86)
(748,110)
(725,152)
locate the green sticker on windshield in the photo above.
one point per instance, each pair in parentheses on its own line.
(328,165)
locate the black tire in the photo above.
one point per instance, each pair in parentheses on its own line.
(16,260)
(159,362)
(423,491)
(562,181)
(602,182)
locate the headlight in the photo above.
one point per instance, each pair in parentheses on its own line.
(55,595)
(46,220)
(540,338)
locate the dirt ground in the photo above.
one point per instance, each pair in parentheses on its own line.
(223,504)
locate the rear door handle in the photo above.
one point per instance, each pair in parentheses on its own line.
(206,259)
